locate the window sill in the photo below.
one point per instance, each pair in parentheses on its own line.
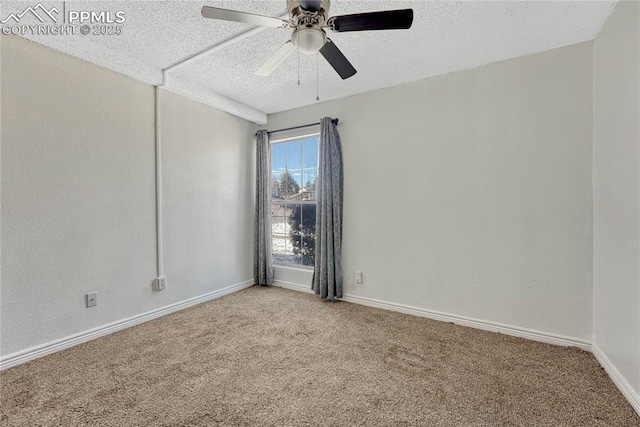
(300,268)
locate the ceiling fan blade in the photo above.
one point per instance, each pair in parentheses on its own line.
(246,18)
(337,60)
(311,5)
(276,59)
(400,19)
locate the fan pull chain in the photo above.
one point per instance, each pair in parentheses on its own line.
(317,79)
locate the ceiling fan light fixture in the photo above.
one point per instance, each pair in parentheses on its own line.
(308,19)
(309,40)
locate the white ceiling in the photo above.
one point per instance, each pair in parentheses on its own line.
(446,36)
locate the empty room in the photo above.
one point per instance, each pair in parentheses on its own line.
(320,213)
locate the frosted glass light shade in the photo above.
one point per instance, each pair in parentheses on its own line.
(309,40)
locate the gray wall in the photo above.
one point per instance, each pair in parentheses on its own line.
(470,194)
(208,208)
(616,192)
(78,201)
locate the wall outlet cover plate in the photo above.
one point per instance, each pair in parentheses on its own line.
(160,283)
(92,299)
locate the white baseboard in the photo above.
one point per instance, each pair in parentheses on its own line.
(485,325)
(32,353)
(622,384)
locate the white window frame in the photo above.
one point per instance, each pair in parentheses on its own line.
(288,136)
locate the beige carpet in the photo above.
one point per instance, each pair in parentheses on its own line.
(272,357)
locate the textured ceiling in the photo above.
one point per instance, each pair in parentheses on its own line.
(446,36)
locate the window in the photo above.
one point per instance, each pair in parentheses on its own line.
(294,169)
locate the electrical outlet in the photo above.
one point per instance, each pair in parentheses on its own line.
(92,299)
(358,276)
(160,283)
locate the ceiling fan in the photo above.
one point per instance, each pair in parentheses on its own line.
(308,19)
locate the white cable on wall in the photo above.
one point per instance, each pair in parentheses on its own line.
(158,146)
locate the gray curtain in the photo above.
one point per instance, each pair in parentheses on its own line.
(263,262)
(327,275)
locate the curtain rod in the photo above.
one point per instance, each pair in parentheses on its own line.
(334,121)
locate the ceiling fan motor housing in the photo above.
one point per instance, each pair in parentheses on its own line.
(296,7)
(308,16)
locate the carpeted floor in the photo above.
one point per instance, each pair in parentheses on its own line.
(272,357)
